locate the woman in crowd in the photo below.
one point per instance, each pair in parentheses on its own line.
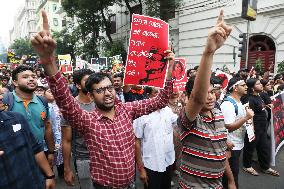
(261,144)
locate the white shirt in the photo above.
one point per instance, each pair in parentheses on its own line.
(237,136)
(156,133)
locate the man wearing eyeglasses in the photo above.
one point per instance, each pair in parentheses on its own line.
(108,130)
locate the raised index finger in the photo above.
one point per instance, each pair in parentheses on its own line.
(45,21)
(220,17)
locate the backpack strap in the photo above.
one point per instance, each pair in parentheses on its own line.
(230,99)
(44,102)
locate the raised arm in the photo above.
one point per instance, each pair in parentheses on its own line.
(216,38)
(45,46)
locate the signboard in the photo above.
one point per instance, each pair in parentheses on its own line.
(277,139)
(146,63)
(64,59)
(179,75)
(249,9)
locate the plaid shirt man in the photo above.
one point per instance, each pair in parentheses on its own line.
(110,142)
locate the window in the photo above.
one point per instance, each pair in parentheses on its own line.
(112,20)
(55,21)
(54,7)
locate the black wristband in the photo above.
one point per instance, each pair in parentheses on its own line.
(49,177)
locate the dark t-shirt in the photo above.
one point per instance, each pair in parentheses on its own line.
(266,99)
(79,148)
(258,106)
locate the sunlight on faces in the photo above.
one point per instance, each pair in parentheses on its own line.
(104,94)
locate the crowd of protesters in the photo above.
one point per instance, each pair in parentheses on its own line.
(108,130)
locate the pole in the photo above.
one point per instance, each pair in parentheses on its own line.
(234,55)
(247,45)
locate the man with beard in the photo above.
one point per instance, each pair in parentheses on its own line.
(235,116)
(25,102)
(78,147)
(108,130)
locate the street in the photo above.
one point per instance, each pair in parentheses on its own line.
(246,181)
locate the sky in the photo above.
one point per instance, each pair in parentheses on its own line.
(8,9)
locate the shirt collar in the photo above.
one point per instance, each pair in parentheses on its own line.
(18,99)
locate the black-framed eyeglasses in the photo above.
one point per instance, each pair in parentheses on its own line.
(101,90)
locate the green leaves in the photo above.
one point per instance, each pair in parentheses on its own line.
(22,47)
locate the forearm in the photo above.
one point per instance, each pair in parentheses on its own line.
(228,172)
(49,136)
(237,124)
(66,152)
(66,146)
(138,153)
(50,67)
(202,80)
(43,164)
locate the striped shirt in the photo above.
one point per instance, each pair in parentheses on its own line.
(204,150)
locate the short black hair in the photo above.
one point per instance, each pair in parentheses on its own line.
(5,77)
(232,82)
(190,84)
(264,82)
(250,84)
(118,75)
(79,74)
(20,69)
(95,78)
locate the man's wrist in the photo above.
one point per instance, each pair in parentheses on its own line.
(47,60)
(49,177)
(140,167)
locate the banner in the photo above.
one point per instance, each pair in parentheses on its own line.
(12,57)
(278,124)
(145,63)
(179,75)
(101,63)
(64,59)
(66,68)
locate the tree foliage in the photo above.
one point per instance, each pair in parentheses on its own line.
(22,46)
(280,67)
(116,48)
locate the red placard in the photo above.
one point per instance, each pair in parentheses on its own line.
(145,64)
(179,74)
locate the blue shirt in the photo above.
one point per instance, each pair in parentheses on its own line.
(18,167)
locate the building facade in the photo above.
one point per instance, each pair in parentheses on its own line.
(193,19)
(24,21)
(55,14)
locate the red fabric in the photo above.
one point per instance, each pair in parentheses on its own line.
(141,91)
(111,143)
